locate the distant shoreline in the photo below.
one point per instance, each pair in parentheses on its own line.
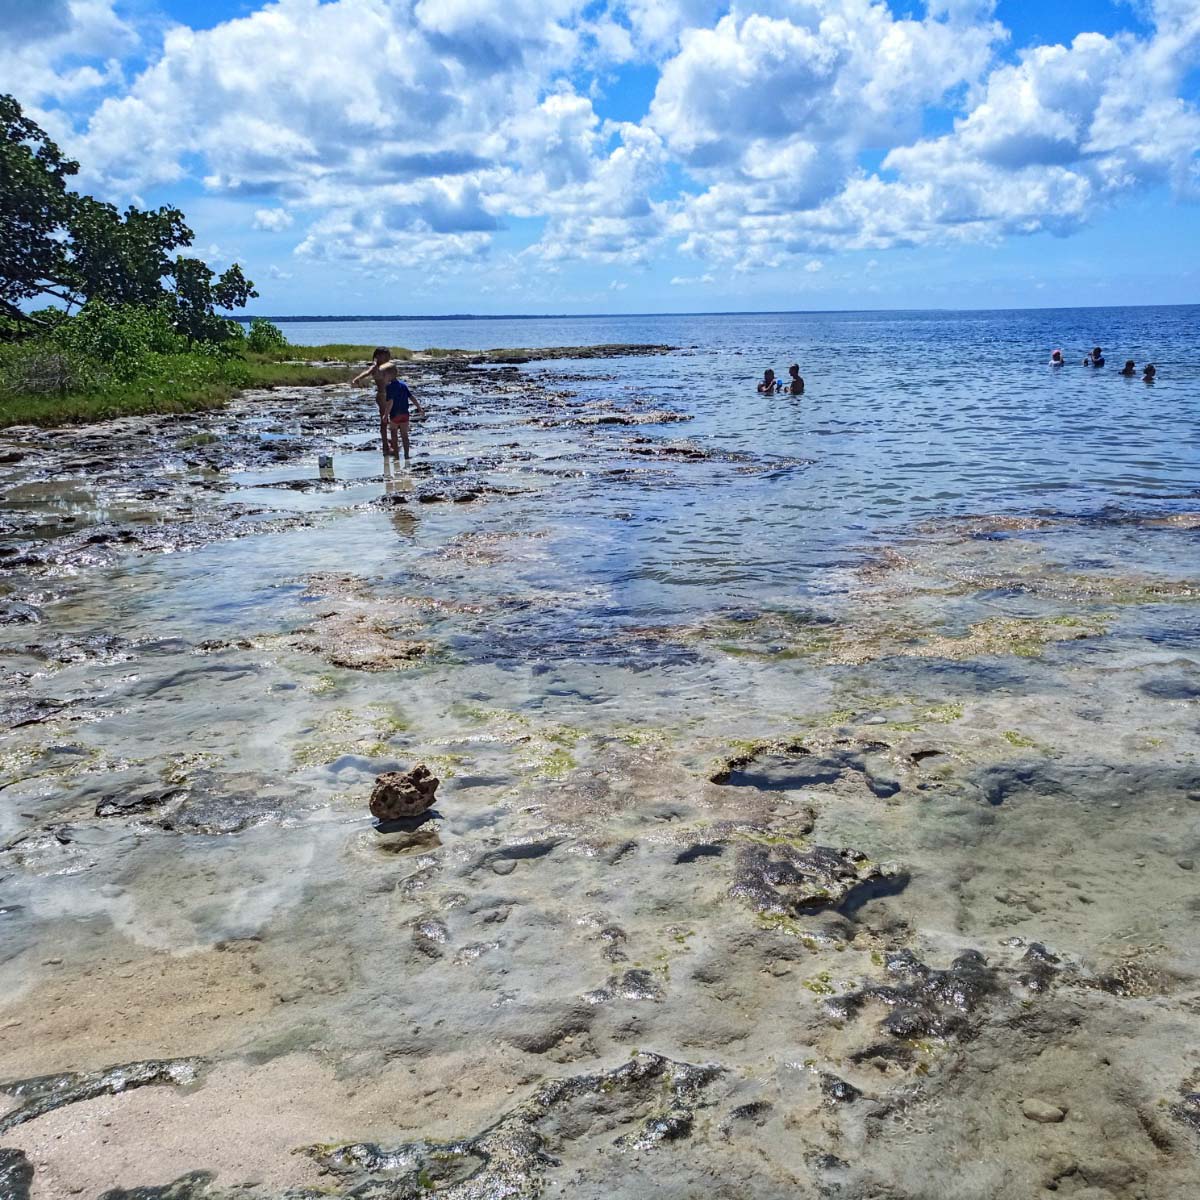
(246,318)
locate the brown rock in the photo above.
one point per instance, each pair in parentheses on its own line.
(399,794)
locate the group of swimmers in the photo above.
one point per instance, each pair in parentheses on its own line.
(1096,360)
(394,397)
(794,385)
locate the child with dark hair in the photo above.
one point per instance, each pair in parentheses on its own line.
(379,360)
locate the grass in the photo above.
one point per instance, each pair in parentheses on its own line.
(188,383)
(185,383)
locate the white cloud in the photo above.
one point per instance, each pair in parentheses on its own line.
(414,131)
(55,52)
(814,265)
(272,220)
(1044,142)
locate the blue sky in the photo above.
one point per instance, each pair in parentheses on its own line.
(433,156)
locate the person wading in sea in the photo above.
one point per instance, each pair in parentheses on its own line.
(381,358)
(393,396)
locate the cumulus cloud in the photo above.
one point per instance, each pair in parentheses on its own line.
(272,220)
(53,52)
(1043,143)
(779,131)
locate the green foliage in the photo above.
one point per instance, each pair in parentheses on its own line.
(79,250)
(123,338)
(122,258)
(264,338)
(198,290)
(34,205)
(41,368)
(172,383)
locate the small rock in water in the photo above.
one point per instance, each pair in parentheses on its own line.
(1187,864)
(398,794)
(1041,1111)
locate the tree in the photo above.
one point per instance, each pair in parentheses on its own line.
(123,259)
(198,291)
(34,208)
(57,243)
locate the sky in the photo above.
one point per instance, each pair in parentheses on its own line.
(572,156)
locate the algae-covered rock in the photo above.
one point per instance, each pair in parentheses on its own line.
(400,794)
(782,880)
(16,1175)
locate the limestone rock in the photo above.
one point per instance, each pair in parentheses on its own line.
(398,794)
(1041,1111)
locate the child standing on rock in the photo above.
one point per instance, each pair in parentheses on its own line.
(393,397)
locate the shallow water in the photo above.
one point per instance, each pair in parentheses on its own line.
(902,616)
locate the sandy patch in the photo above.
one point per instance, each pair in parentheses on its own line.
(247,1123)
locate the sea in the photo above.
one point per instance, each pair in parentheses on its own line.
(905,416)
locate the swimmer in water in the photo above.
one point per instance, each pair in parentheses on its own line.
(1056,358)
(1149,374)
(1129,370)
(769,384)
(1095,359)
(795,385)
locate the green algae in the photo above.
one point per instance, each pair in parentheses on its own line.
(820,984)
(339,732)
(943,714)
(554,764)
(1014,738)
(180,768)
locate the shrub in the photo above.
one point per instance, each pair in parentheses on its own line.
(265,337)
(122,337)
(41,368)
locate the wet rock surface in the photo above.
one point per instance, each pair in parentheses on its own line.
(729,891)
(36,1097)
(651,1097)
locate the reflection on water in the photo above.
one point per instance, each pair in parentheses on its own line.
(398,491)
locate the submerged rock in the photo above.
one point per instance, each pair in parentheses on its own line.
(16,1175)
(400,794)
(784,880)
(1042,1111)
(13,612)
(636,984)
(45,1093)
(924,1001)
(511,1156)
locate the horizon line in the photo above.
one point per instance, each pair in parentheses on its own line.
(733,312)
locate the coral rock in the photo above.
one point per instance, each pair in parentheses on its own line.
(399,794)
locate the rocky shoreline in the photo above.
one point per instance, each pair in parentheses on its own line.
(885,892)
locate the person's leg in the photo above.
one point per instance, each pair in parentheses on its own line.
(404,438)
(393,446)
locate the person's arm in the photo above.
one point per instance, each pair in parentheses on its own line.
(416,403)
(361,376)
